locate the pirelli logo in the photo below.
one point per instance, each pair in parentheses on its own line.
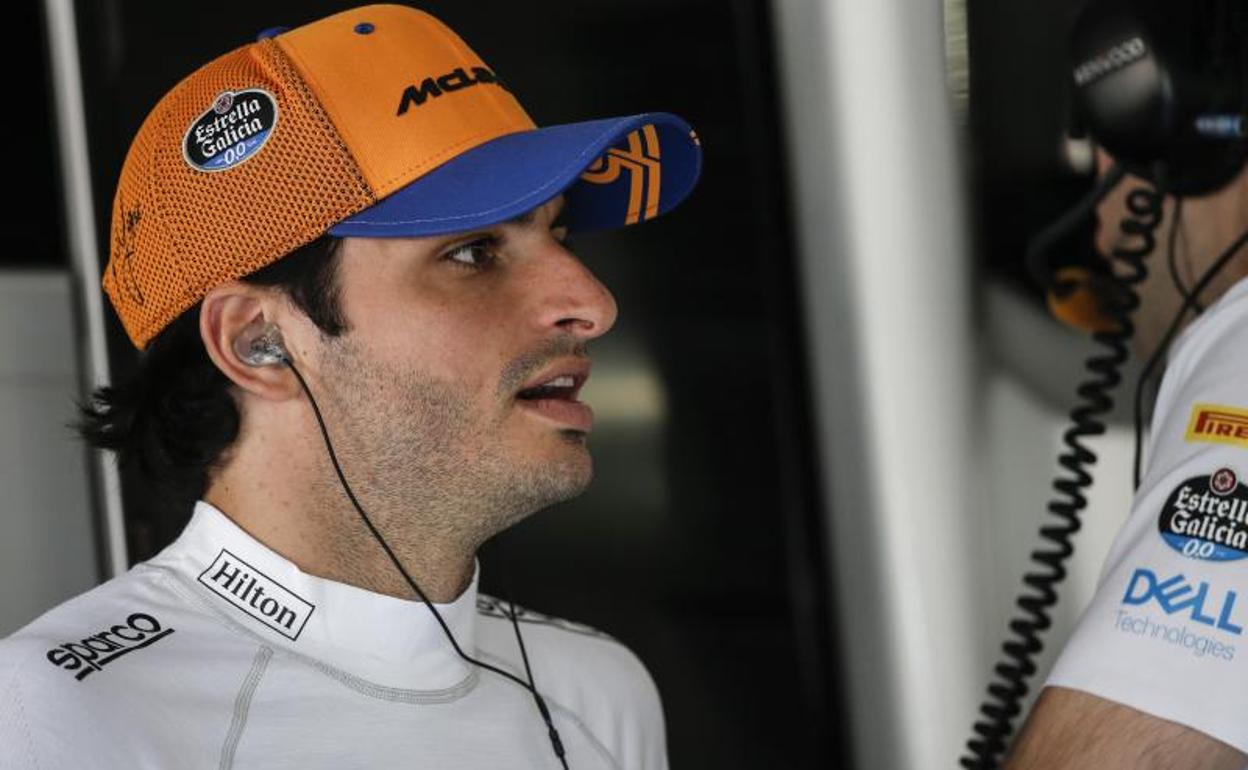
(641,162)
(1218,425)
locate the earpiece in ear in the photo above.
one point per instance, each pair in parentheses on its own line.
(260,344)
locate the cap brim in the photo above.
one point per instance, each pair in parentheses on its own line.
(614,172)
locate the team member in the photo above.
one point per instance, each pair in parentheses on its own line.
(340,247)
(1155,674)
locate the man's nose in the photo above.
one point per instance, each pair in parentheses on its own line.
(572,296)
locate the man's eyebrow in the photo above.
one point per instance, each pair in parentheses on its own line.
(521,220)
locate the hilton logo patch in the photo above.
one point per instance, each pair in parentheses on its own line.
(258,595)
(233,129)
(1218,425)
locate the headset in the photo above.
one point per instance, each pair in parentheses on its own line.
(260,344)
(1163,87)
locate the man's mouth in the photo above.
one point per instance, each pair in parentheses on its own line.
(554,396)
(561,380)
(563,388)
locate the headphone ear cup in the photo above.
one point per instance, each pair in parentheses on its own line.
(1163,87)
(260,344)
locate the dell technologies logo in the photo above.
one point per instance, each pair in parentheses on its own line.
(98,650)
(1176,594)
(258,595)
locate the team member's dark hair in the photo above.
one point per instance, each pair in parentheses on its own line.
(175,419)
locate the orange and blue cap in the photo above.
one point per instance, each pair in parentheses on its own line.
(377,121)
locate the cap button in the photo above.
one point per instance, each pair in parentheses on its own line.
(271,32)
(364,28)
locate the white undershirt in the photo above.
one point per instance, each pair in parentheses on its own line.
(219,652)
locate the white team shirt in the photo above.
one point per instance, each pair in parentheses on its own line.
(220,653)
(1164,633)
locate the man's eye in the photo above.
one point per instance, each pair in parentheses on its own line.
(476,255)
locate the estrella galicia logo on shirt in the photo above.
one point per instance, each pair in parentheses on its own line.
(233,129)
(98,650)
(1176,594)
(258,595)
(1207,517)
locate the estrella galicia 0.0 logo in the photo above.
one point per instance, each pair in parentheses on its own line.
(1207,517)
(233,129)
(1176,594)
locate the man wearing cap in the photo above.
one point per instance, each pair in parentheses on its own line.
(340,248)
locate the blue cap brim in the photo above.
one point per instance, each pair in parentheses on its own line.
(614,172)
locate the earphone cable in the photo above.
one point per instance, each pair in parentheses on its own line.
(556,743)
(505,574)
(1172,260)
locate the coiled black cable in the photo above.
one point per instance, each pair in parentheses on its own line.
(1010,686)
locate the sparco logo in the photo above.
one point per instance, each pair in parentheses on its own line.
(232,130)
(451,81)
(1111,61)
(257,594)
(98,650)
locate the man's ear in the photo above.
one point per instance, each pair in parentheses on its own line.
(229,311)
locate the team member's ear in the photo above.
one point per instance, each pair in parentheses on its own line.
(234,316)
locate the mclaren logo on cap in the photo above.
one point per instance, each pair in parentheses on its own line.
(433,87)
(234,128)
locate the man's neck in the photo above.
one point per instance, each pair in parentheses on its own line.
(326,537)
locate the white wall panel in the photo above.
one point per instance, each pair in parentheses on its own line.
(47,540)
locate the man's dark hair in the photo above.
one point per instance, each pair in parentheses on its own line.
(175,418)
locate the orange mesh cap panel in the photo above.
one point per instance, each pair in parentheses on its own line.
(405,92)
(346,110)
(178,230)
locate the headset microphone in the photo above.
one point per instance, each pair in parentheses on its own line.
(1080,296)
(260,344)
